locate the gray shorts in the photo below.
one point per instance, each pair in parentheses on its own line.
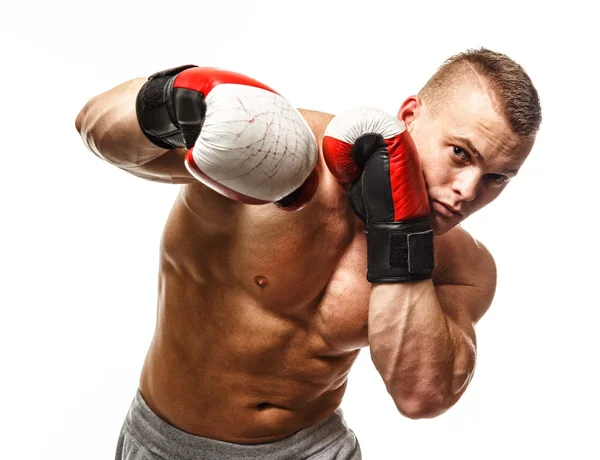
(145,436)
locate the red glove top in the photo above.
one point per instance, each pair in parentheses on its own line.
(352,137)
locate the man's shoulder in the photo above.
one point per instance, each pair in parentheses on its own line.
(317,121)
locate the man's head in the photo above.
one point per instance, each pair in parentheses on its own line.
(473,124)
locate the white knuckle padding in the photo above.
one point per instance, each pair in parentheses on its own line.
(254,142)
(353,123)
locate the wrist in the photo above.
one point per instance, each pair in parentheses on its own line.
(399,251)
(156,112)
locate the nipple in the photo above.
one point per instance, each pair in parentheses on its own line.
(261,281)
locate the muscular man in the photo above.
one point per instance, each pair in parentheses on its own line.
(263,307)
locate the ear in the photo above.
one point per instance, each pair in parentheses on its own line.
(410,110)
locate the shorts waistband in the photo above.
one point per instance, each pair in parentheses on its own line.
(170,443)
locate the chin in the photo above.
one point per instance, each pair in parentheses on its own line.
(440,231)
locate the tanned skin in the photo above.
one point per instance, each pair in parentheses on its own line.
(262,312)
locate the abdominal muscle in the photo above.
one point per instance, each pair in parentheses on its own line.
(261,314)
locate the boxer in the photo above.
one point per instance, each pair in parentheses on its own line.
(298,238)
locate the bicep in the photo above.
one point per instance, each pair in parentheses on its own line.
(466,289)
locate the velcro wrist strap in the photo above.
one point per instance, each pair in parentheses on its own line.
(399,251)
(155,112)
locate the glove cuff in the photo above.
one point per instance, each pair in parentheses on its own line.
(302,195)
(155,112)
(399,251)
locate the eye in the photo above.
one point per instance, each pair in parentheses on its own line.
(460,154)
(498,179)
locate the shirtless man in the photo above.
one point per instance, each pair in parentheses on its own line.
(263,308)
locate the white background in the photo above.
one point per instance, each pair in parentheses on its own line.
(79,245)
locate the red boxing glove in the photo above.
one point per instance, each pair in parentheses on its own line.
(245,140)
(373,151)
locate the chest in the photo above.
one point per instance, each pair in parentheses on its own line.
(310,267)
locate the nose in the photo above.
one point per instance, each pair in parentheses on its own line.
(466,184)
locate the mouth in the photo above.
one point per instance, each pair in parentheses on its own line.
(445,210)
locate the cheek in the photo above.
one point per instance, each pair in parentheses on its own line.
(436,171)
(434,162)
(485,197)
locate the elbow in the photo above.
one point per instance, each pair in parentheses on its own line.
(421,408)
(432,402)
(79,121)
(87,132)
(82,126)
(428,400)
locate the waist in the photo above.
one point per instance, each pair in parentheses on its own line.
(218,401)
(163,439)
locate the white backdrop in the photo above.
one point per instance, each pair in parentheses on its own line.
(79,238)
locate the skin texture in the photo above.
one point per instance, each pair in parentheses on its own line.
(261,312)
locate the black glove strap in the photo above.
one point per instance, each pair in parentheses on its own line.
(155,112)
(399,251)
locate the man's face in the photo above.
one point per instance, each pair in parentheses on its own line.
(468,153)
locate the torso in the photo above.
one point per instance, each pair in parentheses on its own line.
(261,313)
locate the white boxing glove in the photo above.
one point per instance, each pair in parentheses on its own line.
(245,141)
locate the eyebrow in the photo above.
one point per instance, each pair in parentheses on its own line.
(469,144)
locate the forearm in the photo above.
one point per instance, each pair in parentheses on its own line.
(425,359)
(109,127)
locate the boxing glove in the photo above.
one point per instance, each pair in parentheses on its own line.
(373,152)
(244,140)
